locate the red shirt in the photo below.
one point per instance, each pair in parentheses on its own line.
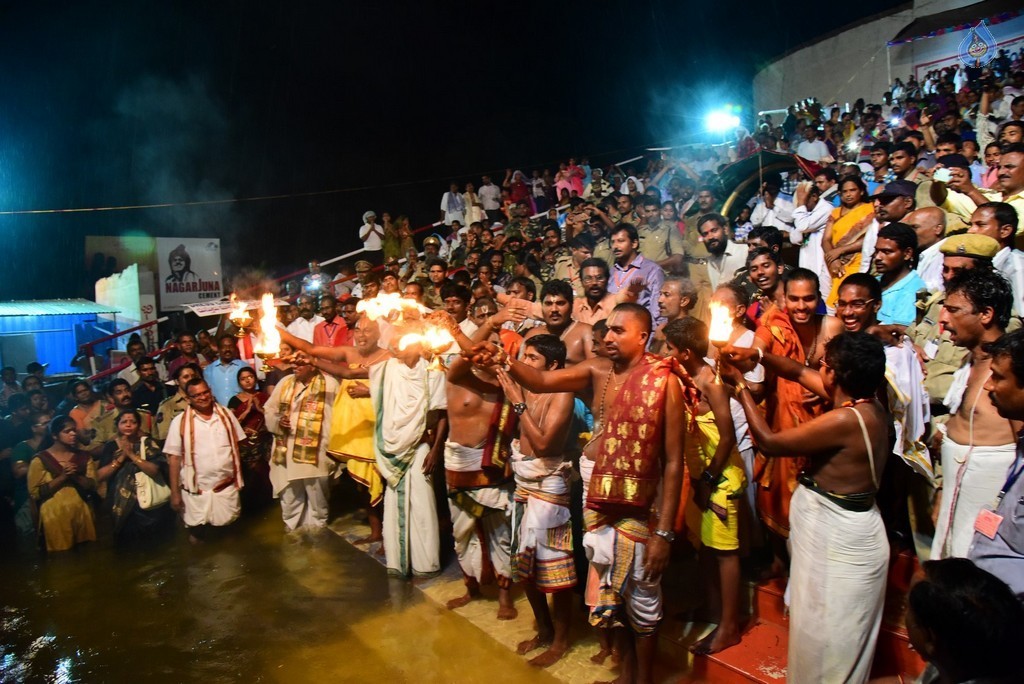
(332,333)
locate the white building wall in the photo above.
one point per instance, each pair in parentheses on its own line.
(854,64)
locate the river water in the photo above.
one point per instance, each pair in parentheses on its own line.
(255,606)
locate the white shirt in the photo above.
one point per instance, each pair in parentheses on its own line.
(721,269)
(867,251)
(1010,262)
(371,240)
(808,230)
(815,150)
(490,197)
(303,329)
(449,215)
(780,216)
(212,447)
(929,267)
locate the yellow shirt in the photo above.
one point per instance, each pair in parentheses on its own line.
(963,206)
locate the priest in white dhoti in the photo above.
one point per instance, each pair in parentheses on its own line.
(298,414)
(411,428)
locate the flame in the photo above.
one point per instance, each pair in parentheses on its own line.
(387,304)
(268,342)
(721,324)
(239,314)
(434,340)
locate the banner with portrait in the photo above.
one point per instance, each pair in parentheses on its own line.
(190,271)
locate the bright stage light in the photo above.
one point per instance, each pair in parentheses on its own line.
(721,122)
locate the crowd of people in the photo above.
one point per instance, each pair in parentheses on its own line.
(829,376)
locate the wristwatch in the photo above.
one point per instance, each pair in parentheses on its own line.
(707,477)
(519,408)
(667,535)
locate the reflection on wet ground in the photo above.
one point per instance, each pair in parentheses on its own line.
(256,606)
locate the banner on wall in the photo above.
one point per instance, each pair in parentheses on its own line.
(190,271)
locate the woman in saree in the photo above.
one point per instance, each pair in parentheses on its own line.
(844,233)
(254,450)
(121,459)
(61,479)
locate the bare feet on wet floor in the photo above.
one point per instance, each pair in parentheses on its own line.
(602,655)
(368,540)
(536,642)
(717,640)
(549,657)
(462,600)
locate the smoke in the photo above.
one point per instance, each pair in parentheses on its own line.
(179,145)
(251,283)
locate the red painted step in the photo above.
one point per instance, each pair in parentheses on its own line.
(769,604)
(760,657)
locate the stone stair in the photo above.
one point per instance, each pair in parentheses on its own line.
(761,656)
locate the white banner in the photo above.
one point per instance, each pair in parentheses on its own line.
(222,307)
(189,271)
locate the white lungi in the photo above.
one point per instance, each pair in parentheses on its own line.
(836,587)
(642,598)
(211,508)
(411,534)
(973,479)
(493,524)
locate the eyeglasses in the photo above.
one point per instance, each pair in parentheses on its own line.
(593,279)
(855,305)
(198,395)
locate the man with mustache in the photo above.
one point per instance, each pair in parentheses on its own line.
(977,445)
(997,546)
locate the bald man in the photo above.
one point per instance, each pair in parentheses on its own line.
(930,225)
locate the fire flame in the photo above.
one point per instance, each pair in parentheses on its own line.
(268,342)
(239,314)
(434,340)
(721,324)
(386,304)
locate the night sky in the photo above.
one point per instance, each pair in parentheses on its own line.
(124,103)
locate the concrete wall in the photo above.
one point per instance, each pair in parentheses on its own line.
(853,64)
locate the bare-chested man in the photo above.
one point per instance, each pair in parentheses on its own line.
(838,543)
(978,444)
(353,420)
(475,458)
(542,534)
(638,406)
(556,307)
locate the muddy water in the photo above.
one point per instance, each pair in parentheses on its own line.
(257,606)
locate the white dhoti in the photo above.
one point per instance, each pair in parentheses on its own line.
(971,480)
(480,520)
(616,584)
(304,502)
(836,587)
(211,508)
(411,535)
(542,529)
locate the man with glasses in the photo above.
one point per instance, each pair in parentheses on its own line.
(205,469)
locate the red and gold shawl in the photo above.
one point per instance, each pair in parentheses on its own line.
(628,466)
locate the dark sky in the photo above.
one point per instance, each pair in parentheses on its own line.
(124,103)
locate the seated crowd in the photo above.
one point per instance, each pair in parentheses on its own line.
(828,376)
